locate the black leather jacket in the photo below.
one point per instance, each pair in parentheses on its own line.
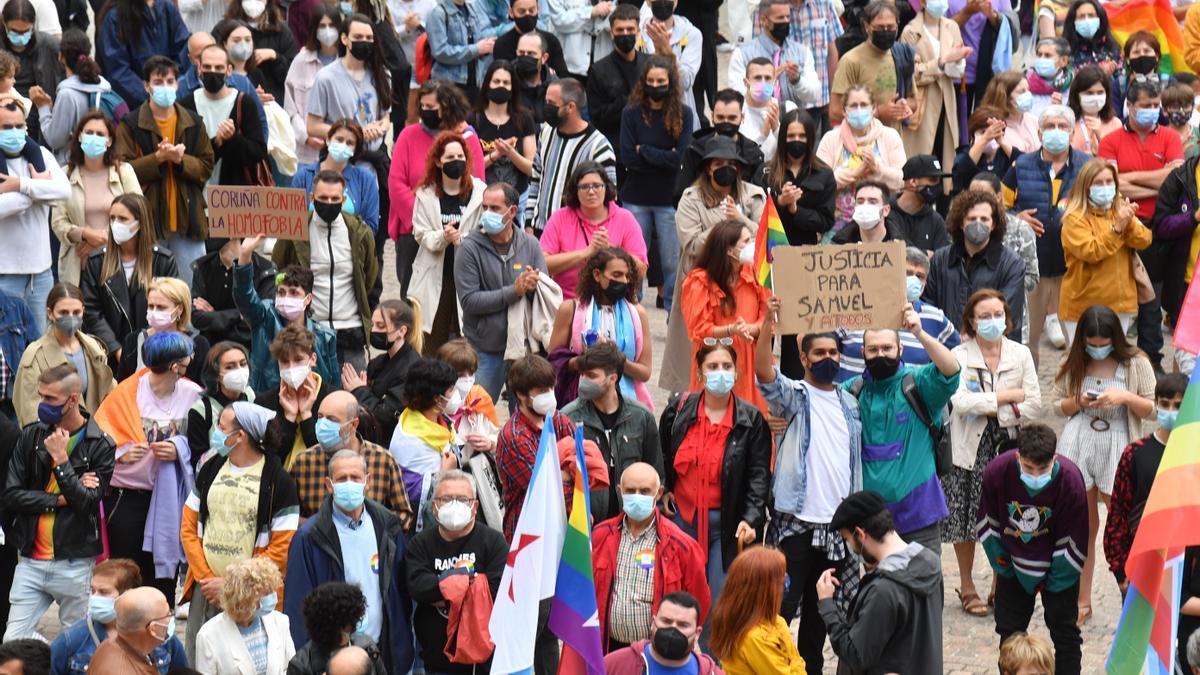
(76,525)
(111,309)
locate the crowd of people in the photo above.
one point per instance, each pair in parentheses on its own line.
(252,437)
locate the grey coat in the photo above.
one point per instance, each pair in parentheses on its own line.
(484,282)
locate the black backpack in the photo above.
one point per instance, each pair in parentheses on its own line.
(943,453)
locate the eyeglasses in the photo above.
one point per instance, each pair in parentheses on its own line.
(590,187)
(713,342)
(446,501)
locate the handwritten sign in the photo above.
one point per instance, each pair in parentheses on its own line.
(853,286)
(237,212)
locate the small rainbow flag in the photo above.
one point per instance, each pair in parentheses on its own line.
(573,615)
(770,234)
(1145,638)
(1152,16)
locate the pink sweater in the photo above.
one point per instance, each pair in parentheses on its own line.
(568,231)
(408,170)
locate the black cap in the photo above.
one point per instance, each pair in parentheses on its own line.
(855,509)
(722,147)
(923,166)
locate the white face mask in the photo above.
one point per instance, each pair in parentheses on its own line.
(455,402)
(746,254)
(867,215)
(454,516)
(236,380)
(254,8)
(1092,103)
(327,35)
(295,376)
(122,231)
(543,403)
(464,384)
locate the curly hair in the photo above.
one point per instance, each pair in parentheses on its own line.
(246,581)
(964,202)
(433,172)
(331,609)
(672,105)
(589,288)
(426,380)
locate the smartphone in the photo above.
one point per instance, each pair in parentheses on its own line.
(1092,394)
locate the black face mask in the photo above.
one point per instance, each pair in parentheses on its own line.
(362,49)
(797,149)
(1178,119)
(379,340)
(780,31)
(882,367)
(616,291)
(824,371)
(930,193)
(671,643)
(883,39)
(525,66)
(625,43)
(499,94)
(662,9)
(525,23)
(658,94)
(725,176)
(454,169)
(213,82)
(326,211)
(431,119)
(1143,65)
(726,129)
(550,115)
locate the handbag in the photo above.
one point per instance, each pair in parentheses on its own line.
(1141,279)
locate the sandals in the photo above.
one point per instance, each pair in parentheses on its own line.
(972,604)
(1085,613)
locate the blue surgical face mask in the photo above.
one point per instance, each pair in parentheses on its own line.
(1056,140)
(937,8)
(913,287)
(346,8)
(49,413)
(164,97)
(860,118)
(329,433)
(93,145)
(1036,482)
(1024,101)
(340,152)
(102,609)
(1087,28)
(719,382)
(1147,118)
(1045,67)
(19,39)
(1099,353)
(266,604)
(637,507)
(492,222)
(217,439)
(990,329)
(1102,196)
(12,140)
(1167,419)
(349,495)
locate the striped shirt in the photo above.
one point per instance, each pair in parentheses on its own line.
(633,585)
(815,24)
(933,322)
(256,643)
(557,156)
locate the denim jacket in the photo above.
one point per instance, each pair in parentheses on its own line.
(788,399)
(17,329)
(450,44)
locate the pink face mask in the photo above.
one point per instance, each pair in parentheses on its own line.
(160,319)
(289,308)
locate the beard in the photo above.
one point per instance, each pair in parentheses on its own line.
(861,551)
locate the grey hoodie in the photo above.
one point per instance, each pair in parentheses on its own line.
(71,102)
(895,621)
(484,281)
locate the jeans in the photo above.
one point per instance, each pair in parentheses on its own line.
(1150,329)
(659,221)
(1014,609)
(715,571)
(804,567)
(33,288)
(187,251)
(492,372)
(37,583)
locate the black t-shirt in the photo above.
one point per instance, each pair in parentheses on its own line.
(452,210)
(609,420)
(519,126)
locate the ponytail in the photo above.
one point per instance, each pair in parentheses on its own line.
(76,52)
(401,313)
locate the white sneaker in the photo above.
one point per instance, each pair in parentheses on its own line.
(1054,332)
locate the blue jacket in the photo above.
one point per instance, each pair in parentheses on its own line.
(18,329)
(73,649)
(163,33)
(190,81)
(1027,185)
(315,557)
(362,191)
(448,39)
(787,399)
(265,324)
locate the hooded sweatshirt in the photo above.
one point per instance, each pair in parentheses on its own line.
(895,621)
(924,229)
(72,101)
(631,660)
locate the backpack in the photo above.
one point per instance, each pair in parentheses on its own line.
(943,453)
(423,68)
(112,105)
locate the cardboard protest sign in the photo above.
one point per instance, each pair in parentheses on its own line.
(237,212)
(853,286)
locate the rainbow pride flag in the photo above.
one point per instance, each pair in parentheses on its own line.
(1145,638)
(573,615)
(1152,16)
(770,234)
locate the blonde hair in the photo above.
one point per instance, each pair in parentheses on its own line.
(177,292)
(247,581)
(1077,198)
(1021,650)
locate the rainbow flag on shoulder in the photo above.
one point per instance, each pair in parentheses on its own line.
(573,615)
(1145,638)
(1155,17)
(770,234)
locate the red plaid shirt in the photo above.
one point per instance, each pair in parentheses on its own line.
(1118,530)
(516,451)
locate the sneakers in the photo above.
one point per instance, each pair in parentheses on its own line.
(1054,333)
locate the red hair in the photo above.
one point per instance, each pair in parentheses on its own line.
(752,595)
(433,173)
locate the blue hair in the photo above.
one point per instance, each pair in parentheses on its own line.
(162,349)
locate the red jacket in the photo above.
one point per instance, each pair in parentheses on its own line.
(632,661)
(678,565)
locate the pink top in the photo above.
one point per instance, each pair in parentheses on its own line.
(408,170)
(1083,141)
(162,419)
(568,231)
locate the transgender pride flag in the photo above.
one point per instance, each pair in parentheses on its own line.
(573,616)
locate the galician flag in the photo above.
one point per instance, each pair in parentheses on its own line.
(573,616)
(532,565)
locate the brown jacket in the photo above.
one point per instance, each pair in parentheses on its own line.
(115,656)
(45,353)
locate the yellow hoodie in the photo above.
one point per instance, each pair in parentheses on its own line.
(767,648)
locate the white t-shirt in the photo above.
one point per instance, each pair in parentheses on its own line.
(827,463)
(335,306)
(212,113)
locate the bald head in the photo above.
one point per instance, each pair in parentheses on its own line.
(138,607)
(196,44)
(339,406)
(639,476)
(352,660)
